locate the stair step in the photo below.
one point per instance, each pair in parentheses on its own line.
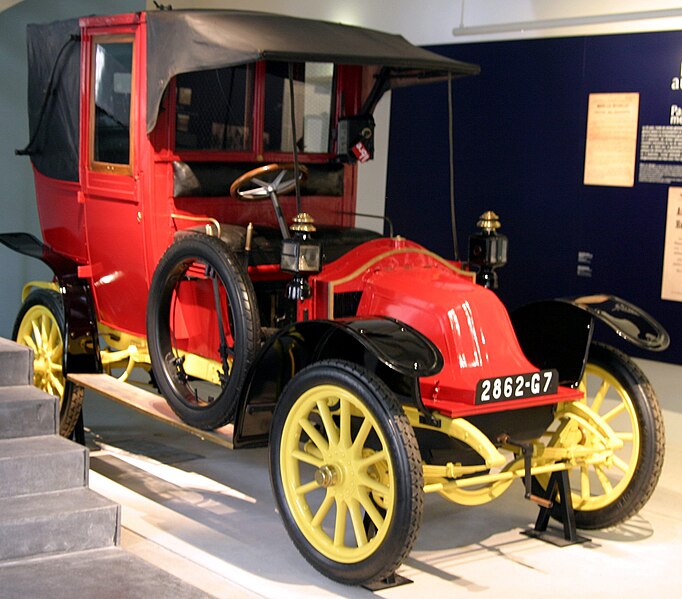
(58,522)
(16,364)
(26,411)
(41,464)
(110,572)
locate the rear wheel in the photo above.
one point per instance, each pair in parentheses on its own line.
(203,328)
(346,472)
(40,325)
(608,492)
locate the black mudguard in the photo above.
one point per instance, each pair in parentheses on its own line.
(82,348)
(557,333)
(396,352)
(628,321)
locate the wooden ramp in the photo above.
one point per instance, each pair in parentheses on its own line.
(148,403)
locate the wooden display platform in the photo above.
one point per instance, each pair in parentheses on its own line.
(148,403)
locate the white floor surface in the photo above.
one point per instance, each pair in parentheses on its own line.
(207,515)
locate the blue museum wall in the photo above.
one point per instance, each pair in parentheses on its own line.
(519,131)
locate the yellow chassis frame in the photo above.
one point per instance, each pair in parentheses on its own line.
(478,484)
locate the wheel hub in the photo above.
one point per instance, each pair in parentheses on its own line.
(326,476)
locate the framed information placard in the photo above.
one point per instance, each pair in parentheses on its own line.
(671,288)
(611,144)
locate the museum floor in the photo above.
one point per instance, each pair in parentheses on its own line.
(206,514)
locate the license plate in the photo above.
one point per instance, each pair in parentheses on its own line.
(517,386)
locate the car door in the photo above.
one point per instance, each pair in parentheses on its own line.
(111,174)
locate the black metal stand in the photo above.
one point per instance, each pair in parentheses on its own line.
(558,486)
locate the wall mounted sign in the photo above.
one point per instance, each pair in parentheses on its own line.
(611,144)
(671,289)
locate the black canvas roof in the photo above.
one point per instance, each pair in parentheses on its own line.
(189,40)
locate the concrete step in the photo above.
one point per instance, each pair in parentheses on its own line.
(26,411)
(41,464)
(59,522)
(100,574)
(16,364)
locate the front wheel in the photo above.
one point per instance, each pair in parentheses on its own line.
(40,325)
(608,492)
(346,472)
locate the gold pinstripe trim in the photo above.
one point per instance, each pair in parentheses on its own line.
(368,264)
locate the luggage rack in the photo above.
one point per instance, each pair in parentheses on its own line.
(148,403)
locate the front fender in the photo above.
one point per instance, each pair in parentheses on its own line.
(395,351)
(555,334)
(628,321)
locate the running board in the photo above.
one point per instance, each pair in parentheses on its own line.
(148,403)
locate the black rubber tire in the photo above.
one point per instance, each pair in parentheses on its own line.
(241,324)
(646,470)
(401,475)
(50,303)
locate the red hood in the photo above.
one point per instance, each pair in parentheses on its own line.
(467,322)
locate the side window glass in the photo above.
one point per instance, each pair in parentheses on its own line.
(313,94)
(113,68)
(214,109)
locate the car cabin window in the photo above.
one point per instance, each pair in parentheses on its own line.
(313,94)
(112,94)
(214,109)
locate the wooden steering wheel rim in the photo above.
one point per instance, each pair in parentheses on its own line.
(275,167)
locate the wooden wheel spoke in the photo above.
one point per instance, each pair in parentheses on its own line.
(374,485)
(362,435)
(372,511)
(28,341)
(328,422)
(584,482)
(314,435)
(626,437)
(56,384)
(345,425)
(323,510)
(308,458)
(621,464)
(44,325)
(340,523)
(600,396)
(357,521)
(603,479)
(36,334)
(54,339)
(372,459)
(307,488)
(611,414)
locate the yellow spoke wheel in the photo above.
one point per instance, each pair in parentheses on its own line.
(615,484)
(40,326)
(346,472)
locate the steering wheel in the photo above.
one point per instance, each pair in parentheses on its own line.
(260,182)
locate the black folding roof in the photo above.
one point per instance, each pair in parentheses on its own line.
(180,41)
(191,40)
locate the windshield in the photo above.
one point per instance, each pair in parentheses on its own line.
(313,86)
(215,109)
